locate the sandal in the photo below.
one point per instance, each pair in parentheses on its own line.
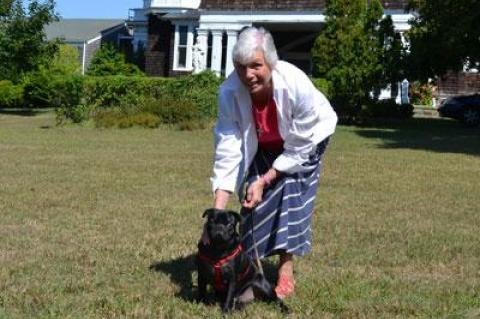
(285,286)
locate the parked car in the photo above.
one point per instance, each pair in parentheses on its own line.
(465,108)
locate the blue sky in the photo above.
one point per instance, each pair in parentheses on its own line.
(107,9)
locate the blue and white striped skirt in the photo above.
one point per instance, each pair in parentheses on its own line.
(282,221)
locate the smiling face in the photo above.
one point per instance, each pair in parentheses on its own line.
(256,75)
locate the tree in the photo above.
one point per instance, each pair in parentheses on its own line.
(347,52)
(23,47)
(445,35)
(65,61)
(393,55)
(108,61)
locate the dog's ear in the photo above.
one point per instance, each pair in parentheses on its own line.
(208,212)
(237,216)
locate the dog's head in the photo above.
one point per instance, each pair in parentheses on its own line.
(221,225)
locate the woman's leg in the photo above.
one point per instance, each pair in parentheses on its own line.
(286,280)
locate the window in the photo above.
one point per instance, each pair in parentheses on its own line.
(182,46)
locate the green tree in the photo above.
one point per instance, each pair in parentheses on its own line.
(347,52)
(108,61)
(23,47)
(444,36)
(65,61)
(393,55)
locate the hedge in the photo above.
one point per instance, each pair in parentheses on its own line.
(11,95)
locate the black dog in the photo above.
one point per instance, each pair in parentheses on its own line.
(223,263)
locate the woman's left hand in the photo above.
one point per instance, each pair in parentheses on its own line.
(254,194)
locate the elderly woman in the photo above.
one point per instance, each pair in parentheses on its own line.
(273,127)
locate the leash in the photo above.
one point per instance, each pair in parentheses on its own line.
(255,250)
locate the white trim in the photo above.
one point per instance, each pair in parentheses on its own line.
(248,19)
(168,4)
(188,62)
(216,58)
(84,57)
(113,29)
(232,36)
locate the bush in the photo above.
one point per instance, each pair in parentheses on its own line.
(108,61)
(323,85)
(191,99)
(11,95)
(200,88)
(65,61)
(108,91)
(148,112)
(44,89)
(75,113)
(387,109)
(421,94)
(116,118)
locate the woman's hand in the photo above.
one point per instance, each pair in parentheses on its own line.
(254,194)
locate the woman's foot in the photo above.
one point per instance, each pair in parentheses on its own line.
(286,282)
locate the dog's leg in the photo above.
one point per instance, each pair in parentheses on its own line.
(202,283)
(229,298)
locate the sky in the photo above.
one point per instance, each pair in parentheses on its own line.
(97,9)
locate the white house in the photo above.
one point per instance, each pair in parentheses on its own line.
(183,36)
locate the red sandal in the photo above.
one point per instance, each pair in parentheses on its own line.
(285,286)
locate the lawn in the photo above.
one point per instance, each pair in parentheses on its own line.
(104,223)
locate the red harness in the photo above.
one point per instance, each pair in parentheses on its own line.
(217,266)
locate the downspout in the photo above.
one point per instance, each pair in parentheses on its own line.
(84,55)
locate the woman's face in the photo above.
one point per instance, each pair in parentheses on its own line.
(256,75)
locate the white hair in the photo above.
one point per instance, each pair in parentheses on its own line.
(252,39)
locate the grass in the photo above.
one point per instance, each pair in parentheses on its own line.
(103,223)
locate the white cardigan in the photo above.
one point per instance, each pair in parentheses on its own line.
(305,118)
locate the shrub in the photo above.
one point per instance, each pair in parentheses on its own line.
(11,95)
(75,113)
(108,61)
(386,109)
(116,118)
(200,88)
(323,85)
(107,91)
(171,110)
(421,94)
(44,89)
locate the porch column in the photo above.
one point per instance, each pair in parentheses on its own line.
(216,63)
(200,51)
(231,40)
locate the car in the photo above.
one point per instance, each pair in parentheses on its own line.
(465,108)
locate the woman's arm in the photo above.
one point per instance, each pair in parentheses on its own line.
(255,190)
(221,199)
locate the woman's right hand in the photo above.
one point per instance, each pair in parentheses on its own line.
(254,194)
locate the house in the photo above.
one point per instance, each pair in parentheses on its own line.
(87,35)
(184,36)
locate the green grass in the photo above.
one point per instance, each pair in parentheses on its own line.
(103,223)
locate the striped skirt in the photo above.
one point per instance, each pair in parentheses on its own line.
(282,221)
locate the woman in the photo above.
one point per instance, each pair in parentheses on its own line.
(272,129)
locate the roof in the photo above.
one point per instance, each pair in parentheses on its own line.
(79,30)
(289,5)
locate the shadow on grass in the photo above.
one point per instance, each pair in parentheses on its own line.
(436,135)
(180,271)
(23,112)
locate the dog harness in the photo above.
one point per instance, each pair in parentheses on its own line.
(217,265)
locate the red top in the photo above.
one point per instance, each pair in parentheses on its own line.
(266,122)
